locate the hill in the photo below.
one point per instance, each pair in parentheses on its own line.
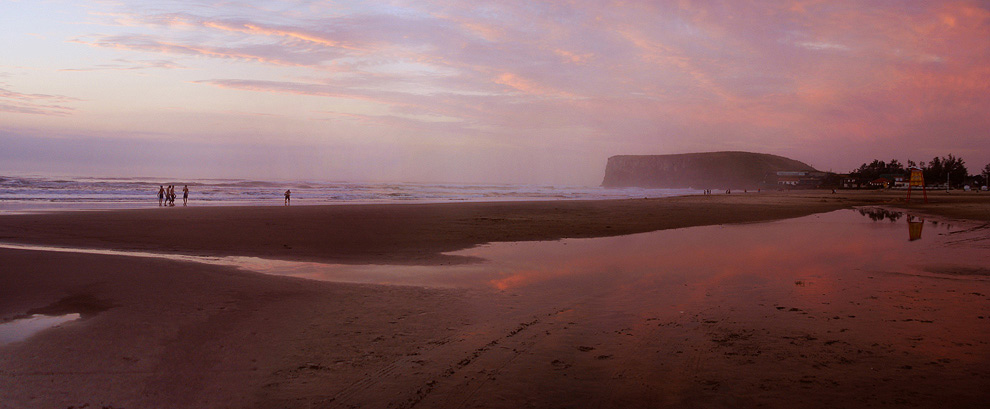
(708,170)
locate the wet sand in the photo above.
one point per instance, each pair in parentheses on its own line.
(395,233)
(160,333)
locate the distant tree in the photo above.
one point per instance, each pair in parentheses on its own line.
(934,171)
(832,180)
(876,168)
(948,168)
(956,168)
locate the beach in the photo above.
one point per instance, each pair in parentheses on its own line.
(158,333)
(393,233)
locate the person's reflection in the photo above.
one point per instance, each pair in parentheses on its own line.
(915,224)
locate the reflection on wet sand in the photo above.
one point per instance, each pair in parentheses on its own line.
(878,214)
(915,223)
(799,248)
(915,226)
(830,310)
(808,246)
(23,328)
(833,302)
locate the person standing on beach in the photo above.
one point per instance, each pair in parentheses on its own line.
(185,194)
(288,193)
(161,195)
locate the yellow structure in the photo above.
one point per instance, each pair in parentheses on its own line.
(917,179)
(915,225)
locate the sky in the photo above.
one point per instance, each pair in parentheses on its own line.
(483,91)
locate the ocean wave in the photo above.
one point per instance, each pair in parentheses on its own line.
(144,190)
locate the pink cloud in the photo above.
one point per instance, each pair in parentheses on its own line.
(796,78)
(126,65)
(531,87)
(186,20)
(258,53)
(37,104)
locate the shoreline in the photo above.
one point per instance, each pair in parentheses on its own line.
(32,193)
(419,233)
(384,233)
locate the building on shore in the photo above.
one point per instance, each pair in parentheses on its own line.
(896,180)
(797,179)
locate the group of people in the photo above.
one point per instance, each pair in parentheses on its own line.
(729,191)
(166,195)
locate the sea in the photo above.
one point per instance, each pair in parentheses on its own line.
(44,193)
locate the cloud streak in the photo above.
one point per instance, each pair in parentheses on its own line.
(127,65)
(35,104)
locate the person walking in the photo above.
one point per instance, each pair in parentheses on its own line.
(288,194)
(185,194)
(161,195)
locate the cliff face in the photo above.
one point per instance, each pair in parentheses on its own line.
(711,170)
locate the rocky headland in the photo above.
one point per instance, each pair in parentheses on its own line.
(708,170)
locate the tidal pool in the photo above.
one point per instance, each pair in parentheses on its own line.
(867,240)
(24,328)
(801,248)
(864,240)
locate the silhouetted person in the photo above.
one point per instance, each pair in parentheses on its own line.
(288,194)
(185,194)
(161,195)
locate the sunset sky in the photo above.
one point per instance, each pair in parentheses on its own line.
(483,91)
